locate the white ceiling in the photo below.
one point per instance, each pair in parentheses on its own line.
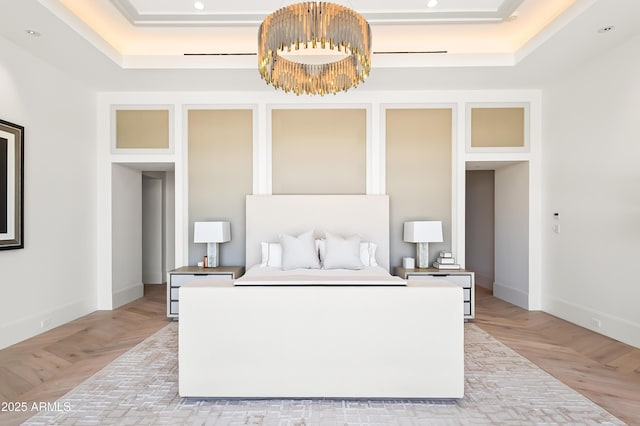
(141,44)
(160,34)
(251,12)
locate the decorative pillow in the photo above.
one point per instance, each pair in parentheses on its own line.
(321,244)
(271,255)
(367,252)
(299,252)
(342,253)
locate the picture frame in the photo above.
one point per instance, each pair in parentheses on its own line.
(11,186)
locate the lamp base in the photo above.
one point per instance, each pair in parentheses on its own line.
(422,255)
(212,255)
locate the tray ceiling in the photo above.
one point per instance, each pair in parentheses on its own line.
(406,33)
(246,12)
(94,41)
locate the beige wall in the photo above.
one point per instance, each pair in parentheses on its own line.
(316,152)
(220,176)
(418,170)
(319,151)
(142,129)
(497,127)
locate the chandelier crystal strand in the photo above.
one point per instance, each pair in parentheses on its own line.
(322,26)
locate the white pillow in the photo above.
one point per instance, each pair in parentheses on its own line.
(367,252)
(271,255)
(342,253)
(321,244)
(299,252)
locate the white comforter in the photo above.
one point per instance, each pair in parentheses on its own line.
(373,275)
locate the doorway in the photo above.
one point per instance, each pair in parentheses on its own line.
(153,228)
(143,228)
(497,227)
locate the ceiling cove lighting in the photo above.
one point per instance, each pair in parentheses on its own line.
(314,48)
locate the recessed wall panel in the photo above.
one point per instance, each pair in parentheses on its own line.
(142,129)
(497,127)
(319,151)
(418,174)
(220,144)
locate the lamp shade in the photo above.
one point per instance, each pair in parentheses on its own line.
(425,231)
(211,232)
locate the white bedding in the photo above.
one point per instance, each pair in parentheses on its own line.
(265,275)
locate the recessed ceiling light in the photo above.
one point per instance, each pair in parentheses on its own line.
(32,33)
(606,29)
(432,3)
(198,5)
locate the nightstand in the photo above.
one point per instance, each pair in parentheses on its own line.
(462,277)
(187,274)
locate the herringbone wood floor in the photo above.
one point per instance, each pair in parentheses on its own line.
(47,366)
(602,369)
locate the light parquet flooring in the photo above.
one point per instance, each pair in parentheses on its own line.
(44,368)
(47,366)
(602,369)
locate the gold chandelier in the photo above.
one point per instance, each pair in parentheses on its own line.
(314,48)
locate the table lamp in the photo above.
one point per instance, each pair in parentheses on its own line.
(422,233)
(212,233)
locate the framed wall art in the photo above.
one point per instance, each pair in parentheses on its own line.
(11,186)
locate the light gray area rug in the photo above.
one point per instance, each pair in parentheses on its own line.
(501,387)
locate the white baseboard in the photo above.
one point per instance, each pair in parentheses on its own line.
(611,326)
(17,331)
(511,295)
(126,295)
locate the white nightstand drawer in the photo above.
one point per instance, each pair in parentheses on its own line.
(181,279)
(174,293)
(462,280)
(188,274)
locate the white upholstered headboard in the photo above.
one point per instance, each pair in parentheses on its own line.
(268,216)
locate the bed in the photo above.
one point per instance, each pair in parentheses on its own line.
(273,276)
(314,333)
